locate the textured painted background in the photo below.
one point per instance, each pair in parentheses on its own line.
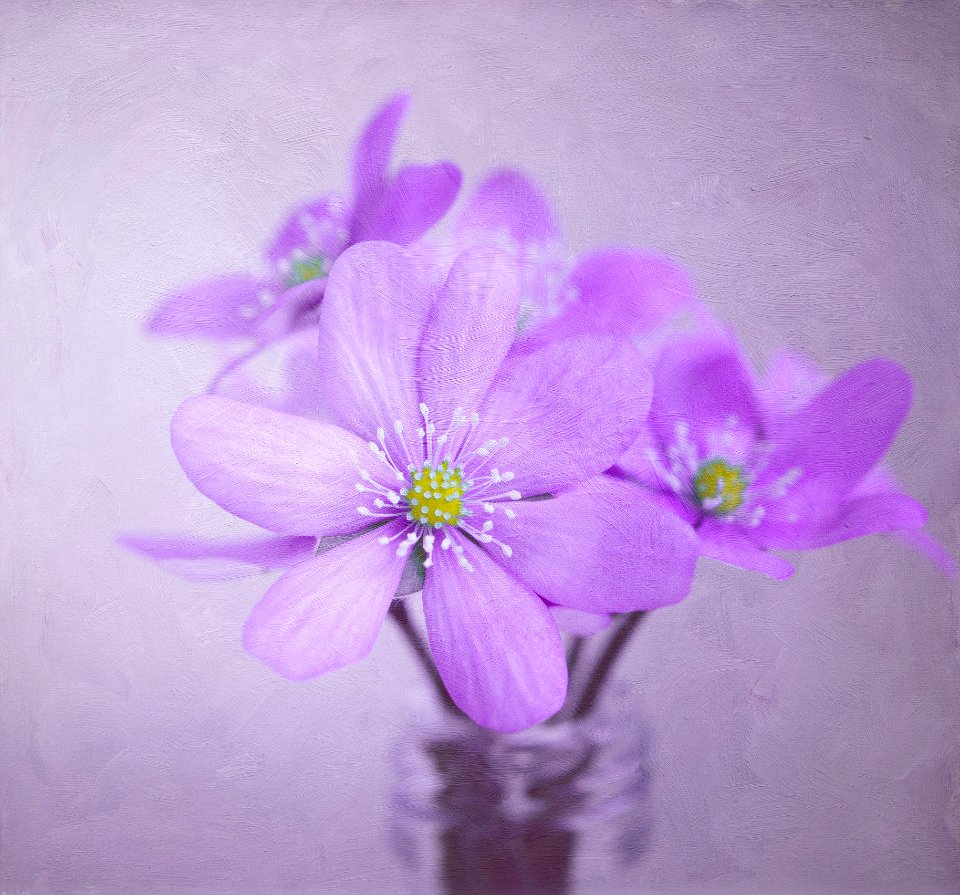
(801,159)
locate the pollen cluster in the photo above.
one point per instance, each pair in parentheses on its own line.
(302,270)
(435,494)
(719,486)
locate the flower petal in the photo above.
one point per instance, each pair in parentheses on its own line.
(880,481)
(930,547)
(602,547)
(495,643)
(371,156)
(702,382)
(207,559)
(569,409)
(219,308)
(509,211)
(841,434)
(326,612)
(416,198)
(790,381)
(871,514)
(469,331)
(727,544)
(281,472)
(371,322)
(509,201)
(636,461)
(623,292)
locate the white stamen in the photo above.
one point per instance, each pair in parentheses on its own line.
(428,549)
(444,472)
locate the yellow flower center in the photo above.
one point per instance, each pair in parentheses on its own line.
(719,486)
(435,495)
(305,269)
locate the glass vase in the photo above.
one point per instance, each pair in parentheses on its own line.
(477,812)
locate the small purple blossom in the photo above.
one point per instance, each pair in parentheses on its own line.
(453,455)
(398,207)
(791,463)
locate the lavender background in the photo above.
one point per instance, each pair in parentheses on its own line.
(801,159)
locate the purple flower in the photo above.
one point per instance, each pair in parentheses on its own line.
(398,208)
(787,464)
(506,213)
(454,457)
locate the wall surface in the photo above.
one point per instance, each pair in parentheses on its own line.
(801,159)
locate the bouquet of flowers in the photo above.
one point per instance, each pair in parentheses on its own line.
(542,446)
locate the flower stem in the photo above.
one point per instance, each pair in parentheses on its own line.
(601,671)
(398,611)
(573,654)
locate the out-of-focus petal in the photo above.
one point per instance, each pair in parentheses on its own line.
(880,480)
(601,547)
(416,198)
(705,384)
(207,559)
(727,544)
(371,156)
(371,323)
(930,547)
(872,514)
(789,382)
(281,472)
(842,433)
(570,410)
(510,202)
(326,612)
(469,331)
(623,292)
(219,308)
(495,643)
